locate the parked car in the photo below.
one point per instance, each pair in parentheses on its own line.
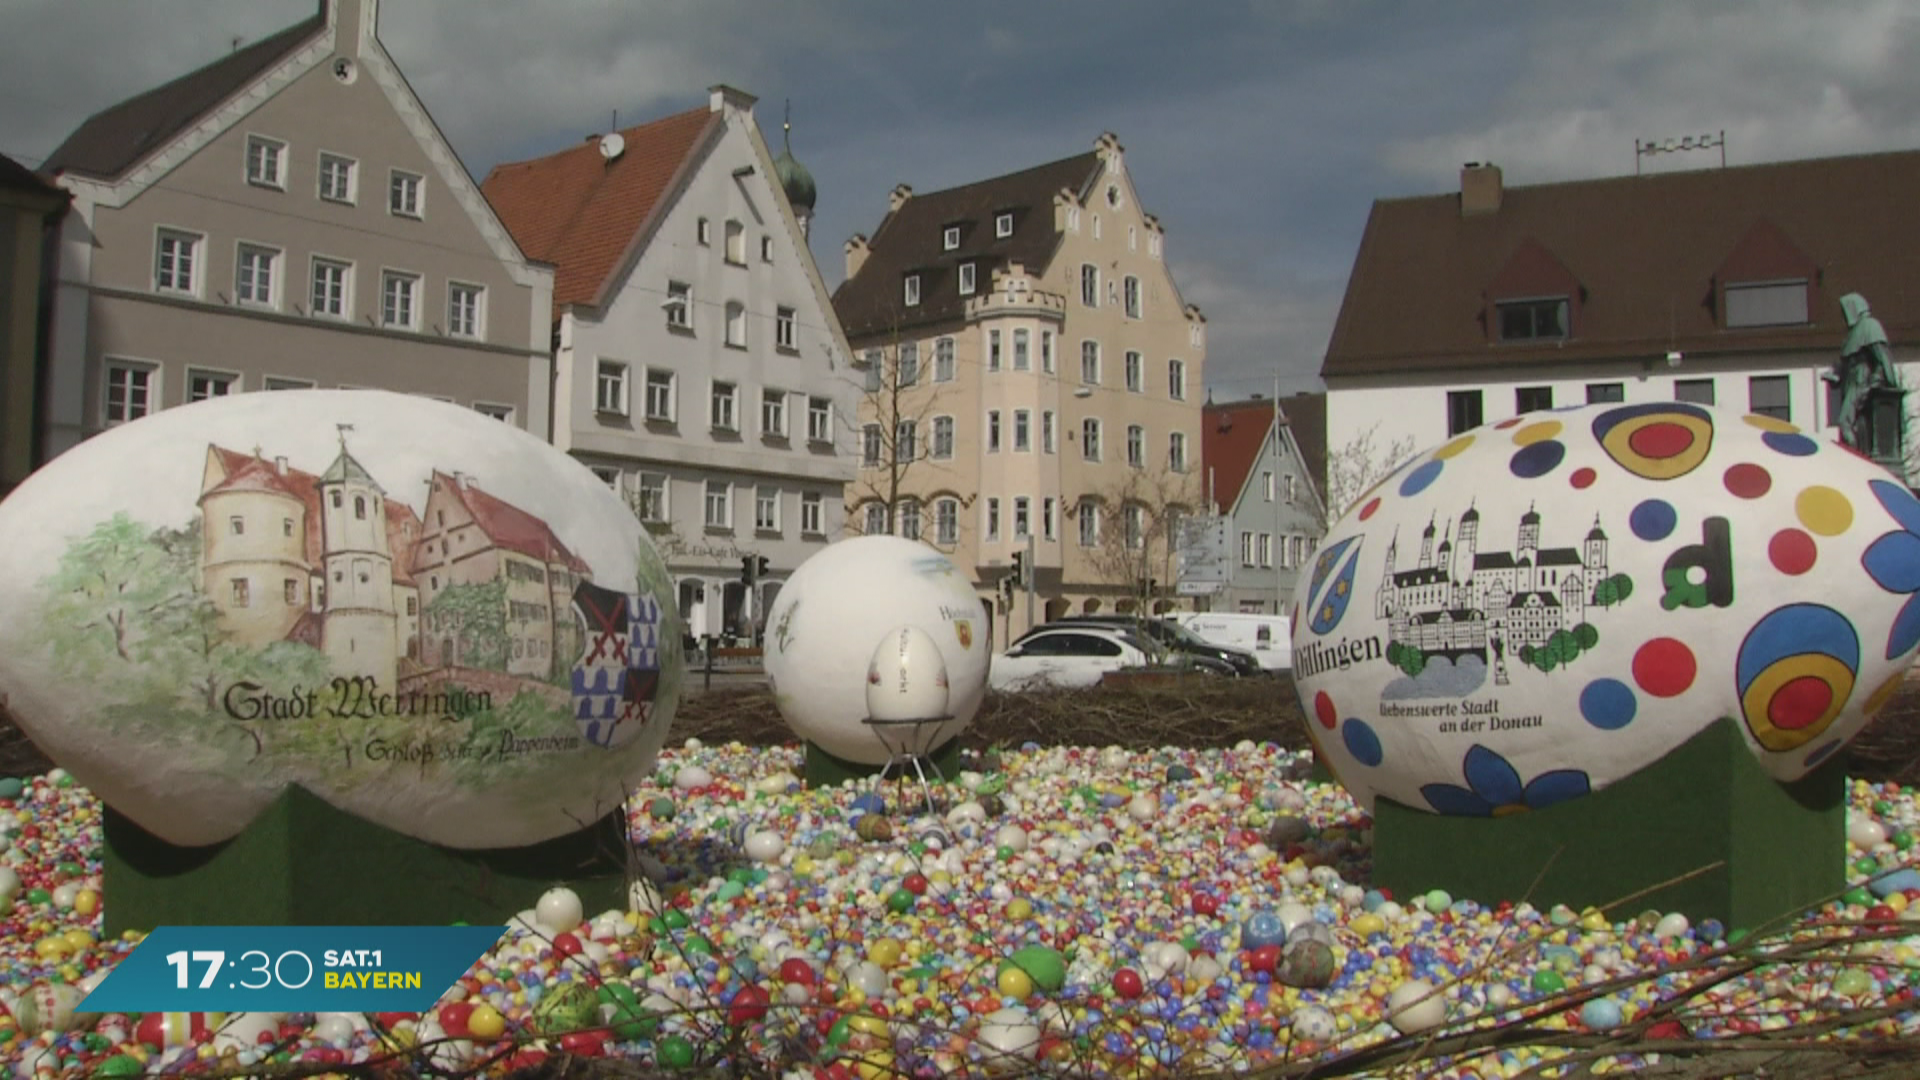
(1268,637)
(1173,639)
(1066,657)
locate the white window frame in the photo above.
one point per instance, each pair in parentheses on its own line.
(940,446)
(813,514)
(943,363)
(723,405)
(271,154)
(773,413)
(228,381)
(736,249)
(1089,285)
(819,420)
(1049,518)
(1177,379)
(910,290)
(950,238)
(906,366)
(345,281)
(1136,372)
(1265,549)
(993,350)
(1003,225)
(1131,303)
(993,431)
(990,519)
(766,509)
(1049,437)
(678,305)
(1046,352)
(322,167)
(906,441)
(766,249)
(614,374)
(148,393)
(1022,517)
(1022,349)
(876,519)
(1177,451)
(1023,431)
(1134,516)
(1089,362)
(467,321)
(720,498)
(169,247)
(666,410)
(401,181)
(1089,523)
(1136,446)
(946,521)
(873,445)
(703,232)
(653,493)
(415,282)
(1090,438)
(245,291)
(1246,548)
(783,332)
(736,324)
(908,515)
(966,279)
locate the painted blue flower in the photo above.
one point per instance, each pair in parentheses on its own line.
(1494,789)
(1893,561)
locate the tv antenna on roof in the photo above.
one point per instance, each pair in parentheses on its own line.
(1675,146)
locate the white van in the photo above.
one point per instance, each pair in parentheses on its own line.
(1269,637)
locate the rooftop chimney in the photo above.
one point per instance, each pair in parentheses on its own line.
(1480,188)
(280,465)
(898,197)
(857,252)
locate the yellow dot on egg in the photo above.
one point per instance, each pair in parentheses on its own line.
(1769,423)
(1823,510)
(1879,698)
(1454,448)
(1533,433)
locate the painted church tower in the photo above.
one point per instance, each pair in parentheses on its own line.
(360,635)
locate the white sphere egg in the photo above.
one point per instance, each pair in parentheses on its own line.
(1414,1006)
(559,910)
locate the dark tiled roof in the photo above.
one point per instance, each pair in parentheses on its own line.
(1306,416)
(909,241)
(579,212)
(510,527)
(1643,252)
(119,137)
(17,177)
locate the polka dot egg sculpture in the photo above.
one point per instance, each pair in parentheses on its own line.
(826,629)
(1540,607)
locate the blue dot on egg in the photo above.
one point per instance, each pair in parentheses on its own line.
(1823,753)
(1653,519)
(1790,443)
(1361,742)
(1608,704)
(1418,480)
(1538,459)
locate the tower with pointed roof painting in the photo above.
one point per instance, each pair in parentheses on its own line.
(359,633)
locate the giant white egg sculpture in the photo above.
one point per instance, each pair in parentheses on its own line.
(1543,606)
(430,619)
(830,618)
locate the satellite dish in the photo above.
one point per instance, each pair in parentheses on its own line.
(612,146)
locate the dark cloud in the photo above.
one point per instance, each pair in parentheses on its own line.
(1260,133)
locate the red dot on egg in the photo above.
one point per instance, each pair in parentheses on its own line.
(1660,441)
(1792,551)
(1582,478)
(1367,511)
(1800,702)
(1664,667)
(1324,711)
(1748,481)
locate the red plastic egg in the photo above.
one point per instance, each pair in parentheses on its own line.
(1128,984)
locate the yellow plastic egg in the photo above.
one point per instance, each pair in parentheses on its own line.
(1014,983)
(485,1022)
(86,902)
(885,952)
(1019,908)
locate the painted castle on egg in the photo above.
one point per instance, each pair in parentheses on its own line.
(1460,600)
(333,562)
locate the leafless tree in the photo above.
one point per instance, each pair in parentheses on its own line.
(894,424)
(1356,467)
(1139,525)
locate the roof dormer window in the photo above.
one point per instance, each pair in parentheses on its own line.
(950,238)
(910,292)
(1767,303)
(1538,319)
(966,279)
(1003,225)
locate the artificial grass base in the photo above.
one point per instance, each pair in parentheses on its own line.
(303,862)
(1778,847)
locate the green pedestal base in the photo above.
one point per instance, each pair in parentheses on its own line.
(304,863)
(828,770)
(1780,847)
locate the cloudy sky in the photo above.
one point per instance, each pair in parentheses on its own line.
(1259,132)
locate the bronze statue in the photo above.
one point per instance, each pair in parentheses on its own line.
(1866,363)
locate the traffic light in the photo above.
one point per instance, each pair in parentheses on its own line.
(760,567)
(746,569)
(1019,575)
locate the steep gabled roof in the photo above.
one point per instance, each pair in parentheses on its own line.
(115,139)
(1231,438)
(579,211)
(1306,417)
(909,241)
(1644,250)
(251,472)
(510,527)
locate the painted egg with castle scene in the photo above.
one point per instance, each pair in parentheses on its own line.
(1540,607)
(430,619)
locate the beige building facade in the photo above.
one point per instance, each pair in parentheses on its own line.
(1033,383)
(286,217)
